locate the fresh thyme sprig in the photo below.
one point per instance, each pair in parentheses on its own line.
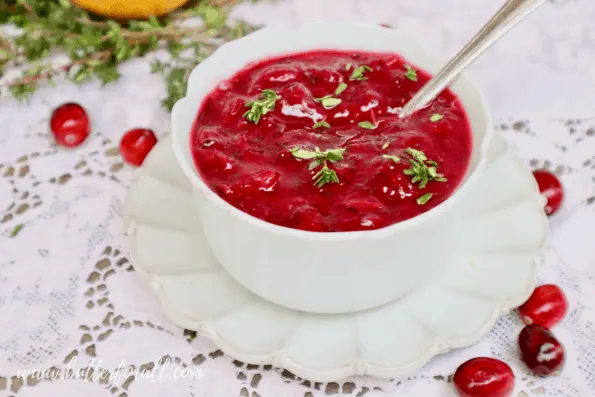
(260,107)
(325,174)
(422,170)
(96,47)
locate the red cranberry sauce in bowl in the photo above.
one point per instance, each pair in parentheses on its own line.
(313,141)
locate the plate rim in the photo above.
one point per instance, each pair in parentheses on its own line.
(281,359)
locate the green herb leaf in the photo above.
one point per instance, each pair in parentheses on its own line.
(367,125)
(96,46)
(330,102)
(386,145)
(260,107)
(313,165)
(390,157)
(323,98)
(303,154)
(358,72)
(325,174)
(342,87)
(348,67)
(436,117)
(424,199)
(16,230)
(320,124)
(422,170)
(333,155)
(410,73)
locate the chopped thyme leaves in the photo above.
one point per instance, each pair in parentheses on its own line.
(422,170)
(436,117)
(367,125)
(260,107)
(390,157)
(325,174)
(410,73)
(321,124)
(424,199)
(328,101)
(358,72)
(342,87)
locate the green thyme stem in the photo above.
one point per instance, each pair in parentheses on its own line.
(97,46)
(100,56)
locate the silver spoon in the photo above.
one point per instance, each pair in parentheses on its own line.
(505,19)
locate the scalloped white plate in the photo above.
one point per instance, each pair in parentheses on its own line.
(499,238)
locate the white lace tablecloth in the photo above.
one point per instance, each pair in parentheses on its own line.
(70,300)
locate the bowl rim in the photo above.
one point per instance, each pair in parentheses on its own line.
(189,168)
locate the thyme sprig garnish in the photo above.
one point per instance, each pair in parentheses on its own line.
(436,117)
(422,170)
(321,124)
(424,199)
(359,72)
(368,125)
(260,107)
(96,47)
(340,88)
(396,159)
(328,101)
(325,174)
(410,73)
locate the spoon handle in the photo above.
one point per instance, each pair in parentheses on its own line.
(505,19)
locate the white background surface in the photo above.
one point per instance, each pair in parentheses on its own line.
(65,292)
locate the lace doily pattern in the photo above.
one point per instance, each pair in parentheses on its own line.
(72,310)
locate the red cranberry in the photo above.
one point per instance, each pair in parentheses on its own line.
(70,125)
(540,350)
(136,145)
(484,377)
(546,306)
(551,187)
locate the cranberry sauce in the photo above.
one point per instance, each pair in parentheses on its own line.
(312,141)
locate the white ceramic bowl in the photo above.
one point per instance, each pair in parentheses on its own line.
(324,272)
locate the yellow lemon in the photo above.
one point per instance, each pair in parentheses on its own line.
(130,9)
